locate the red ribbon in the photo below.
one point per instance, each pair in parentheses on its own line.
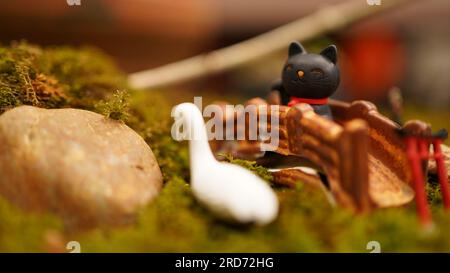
(295,100)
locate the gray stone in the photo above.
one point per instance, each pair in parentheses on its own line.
(88,169)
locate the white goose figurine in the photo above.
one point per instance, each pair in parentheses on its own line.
(228,190)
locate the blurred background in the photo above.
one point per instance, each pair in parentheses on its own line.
(407,47)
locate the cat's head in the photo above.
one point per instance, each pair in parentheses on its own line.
(309,75)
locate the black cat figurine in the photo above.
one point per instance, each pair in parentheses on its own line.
(309,78)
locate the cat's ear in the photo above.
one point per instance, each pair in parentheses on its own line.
(296,48)
(330,53)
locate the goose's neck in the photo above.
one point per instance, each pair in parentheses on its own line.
(199,150)
(200,154)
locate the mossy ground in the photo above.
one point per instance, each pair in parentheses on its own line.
(175,222)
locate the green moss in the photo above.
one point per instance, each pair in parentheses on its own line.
(55,77)
(433,189)
(86,73)
(24,232)
(251,165)
(116,107)
(21,82)
(152,120)
(176,222)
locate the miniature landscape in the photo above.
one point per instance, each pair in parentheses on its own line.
(85,78)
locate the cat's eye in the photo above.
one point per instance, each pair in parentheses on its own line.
(300,73)
(317,72)
(288,67)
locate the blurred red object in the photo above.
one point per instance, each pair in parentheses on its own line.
(373,62)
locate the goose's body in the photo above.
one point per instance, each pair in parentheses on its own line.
(228,190)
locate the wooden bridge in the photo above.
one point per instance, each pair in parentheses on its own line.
(360,151)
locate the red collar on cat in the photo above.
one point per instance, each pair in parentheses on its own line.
(295,100)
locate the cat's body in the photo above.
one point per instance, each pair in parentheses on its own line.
(309,78)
